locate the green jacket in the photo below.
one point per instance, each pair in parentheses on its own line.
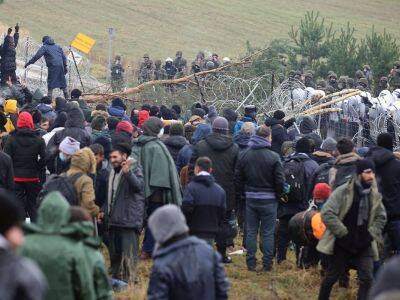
(159,169)
(83,232)
(336,208)
(61,259)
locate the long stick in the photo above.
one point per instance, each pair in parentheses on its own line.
(199,88)
(77,70)
(340,99)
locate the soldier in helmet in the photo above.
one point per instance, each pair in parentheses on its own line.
(158,73)
(180,64)
(309,80)
(382,85)
(117,75)
(321,85)
(362,84)
(350,83)
(169,69)
(359,74)
(342,83)
(146,69)
(332,81)
(210,65)
(394,79)
(368,75)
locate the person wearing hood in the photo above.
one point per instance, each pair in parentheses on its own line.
(76,96)
(212,114)
(307,129)
(344,166)
(242,137)
(20,278)
(279,132)
(176,140)
(204,202)
(57,125)
(185,267)
(62,259)
(354,217)
(98,125)
(325,158)
(161,180)
(259,176)
(56,63)
(61,105)
(250,114)
(223,152)
(231,116)
(27,151)
(388,175)
(84,162)
(123,133)
(124,212)
(68,147)
(80,228)
(8,63)
(144,115)
(118,109)
(46,109)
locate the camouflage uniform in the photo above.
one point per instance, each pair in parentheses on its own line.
(394,80)
(382,85)
(158,73)
(180,64)
(117,75)
(146,69)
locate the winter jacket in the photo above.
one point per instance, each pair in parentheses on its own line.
(322,157)
(240,123)
(8,54)
(84,162)
(6,172)
(159,169)
(387,284)
(335,209)
(388,178)
(100,183)
(187,269)
(343,169)
(259,172)
(27,151)
(126,208)
(47,111)
(83,232)
(61,259)
(204,205)
(291,208)
(118,112)
(121,137)
(223,154)
(183,157)
(279,134)
(56,63)
(307,127)
(20,278)
(241,139)
(174,144)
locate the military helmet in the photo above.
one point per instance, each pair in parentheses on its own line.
(363,81)
(397,64)
(146,55)
(359,74)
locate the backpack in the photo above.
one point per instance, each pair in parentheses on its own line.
(322,173)
(63,184)
(343,174)
(295,175)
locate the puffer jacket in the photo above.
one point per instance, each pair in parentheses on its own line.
(62,259)
(187,269)
(388,178)
(118,112)
(174,144)
(224,155)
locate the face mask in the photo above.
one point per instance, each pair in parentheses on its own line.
(319,205)
(62,157)
(161,133)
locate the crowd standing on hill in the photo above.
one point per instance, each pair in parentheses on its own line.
(74,176)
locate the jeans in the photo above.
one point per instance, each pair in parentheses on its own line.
(124,248)
(26,193)
(338,263)
(260,214)
(393,231)
(148,242)
(283,238)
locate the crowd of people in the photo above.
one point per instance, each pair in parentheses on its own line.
(155,183)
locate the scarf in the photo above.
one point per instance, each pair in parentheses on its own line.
(113,183)
(363,209)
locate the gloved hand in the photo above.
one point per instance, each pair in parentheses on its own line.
(9,31)
(289,122)
(16,28)
(26,65)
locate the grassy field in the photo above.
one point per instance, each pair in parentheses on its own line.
(162,27)
(285,282)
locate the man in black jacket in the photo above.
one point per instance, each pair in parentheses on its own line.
(27,151)
(219,147)
(124,211)
(8,63)
(279,132)
(259,174)
(204,202)
(388,175)
(6,172)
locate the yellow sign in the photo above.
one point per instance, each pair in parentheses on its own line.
(83,43)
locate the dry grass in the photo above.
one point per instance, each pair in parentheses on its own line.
(286,281)
(162,27)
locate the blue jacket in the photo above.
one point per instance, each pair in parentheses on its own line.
(187,269)
(47,111)
(240,123)
(118,112)
(56,63)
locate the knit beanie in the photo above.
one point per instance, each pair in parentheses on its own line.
(167,222)
(329,144)
(279,115)
(322,191)
(152,126)
(10,106)
(124,126)
(10,214)
(75,94)
(106,143)
(363,165)
(220,125)
(385,140)
(101,106)
(25,120)
(176,129)
(303,145)
(69,146)
(199,112)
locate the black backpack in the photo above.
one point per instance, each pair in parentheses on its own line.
(295,175)
(63,184)
(322,173)
(343,174)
